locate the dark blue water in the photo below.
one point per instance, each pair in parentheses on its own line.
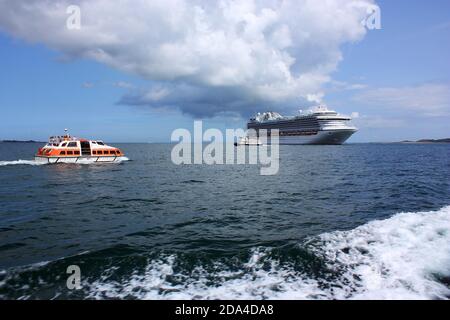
(146,228)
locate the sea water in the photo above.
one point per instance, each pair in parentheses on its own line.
(357,221)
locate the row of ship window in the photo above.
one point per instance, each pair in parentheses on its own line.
(96,152)
(74,144)
(289,133)
(63,153)
(114,152)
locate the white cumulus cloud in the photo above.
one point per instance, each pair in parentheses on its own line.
(204,57)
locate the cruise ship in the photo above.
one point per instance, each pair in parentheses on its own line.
(319,125)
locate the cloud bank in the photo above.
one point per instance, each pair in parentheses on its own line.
(203,57)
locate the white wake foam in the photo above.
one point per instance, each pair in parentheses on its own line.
(252,282)
(402,257)
(39,163)
(399,258)
(21,162)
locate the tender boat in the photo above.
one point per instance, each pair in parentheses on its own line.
(247,141)
(68,149)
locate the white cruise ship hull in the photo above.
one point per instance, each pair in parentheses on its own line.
(332,137)
(326,137)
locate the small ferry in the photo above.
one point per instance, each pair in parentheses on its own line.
(246,141)
(68,149)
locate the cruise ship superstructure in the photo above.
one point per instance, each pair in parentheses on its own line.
(318,125)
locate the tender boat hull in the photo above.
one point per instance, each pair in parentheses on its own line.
(80,160)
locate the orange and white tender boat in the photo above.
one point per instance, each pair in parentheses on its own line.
(67,149)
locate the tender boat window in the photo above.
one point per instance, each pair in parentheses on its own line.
(94,152)
(99,152)
(100,143)
(62,153)
(72,144)
(69,152)
(77,152)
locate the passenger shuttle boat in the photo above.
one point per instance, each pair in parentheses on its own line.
(319,125)
(68,149)
(246,141)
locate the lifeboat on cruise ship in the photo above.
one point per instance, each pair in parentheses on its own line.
(68,149)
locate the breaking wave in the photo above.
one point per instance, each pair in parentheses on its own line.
(21,162)
(404,257)
(39,163)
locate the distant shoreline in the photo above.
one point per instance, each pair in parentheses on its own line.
(446,140)
(21,141)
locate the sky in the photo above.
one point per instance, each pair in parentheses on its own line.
(136,70)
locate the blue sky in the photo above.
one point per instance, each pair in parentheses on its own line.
(410,50)
(394,81)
